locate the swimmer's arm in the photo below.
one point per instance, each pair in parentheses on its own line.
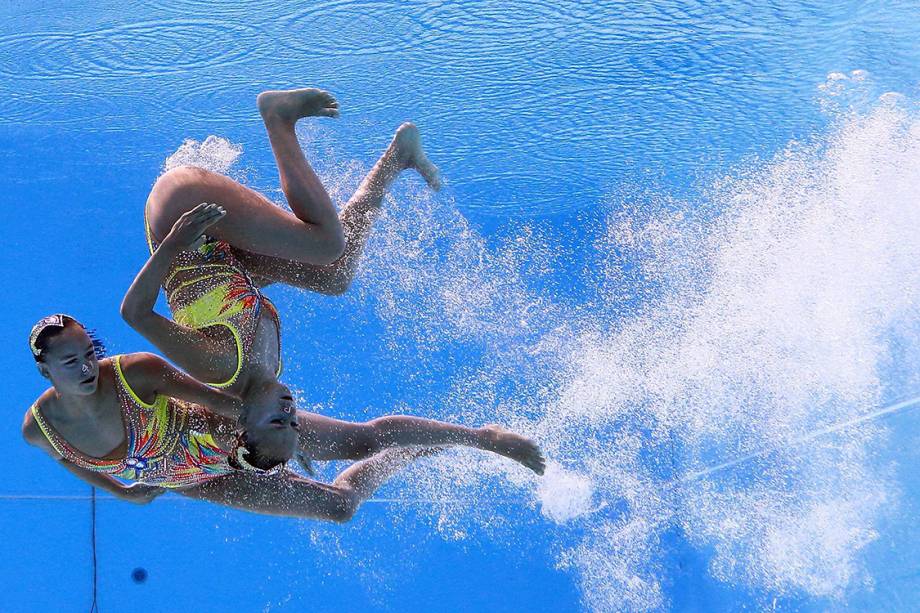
(138,493)
(150,375)
(141,297)
(137,307)
(190,349)
(188,230)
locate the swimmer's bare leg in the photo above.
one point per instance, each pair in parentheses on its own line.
(293,496)
(325,438)
(304,191)
(358,215)
(313,234)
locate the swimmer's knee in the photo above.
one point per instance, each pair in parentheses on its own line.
(183,173)
(168,183)
(345,508)
(328,249)
(336,287)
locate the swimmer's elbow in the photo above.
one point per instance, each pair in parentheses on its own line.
(126,311)
(131,313)
(345,510)
(342,516)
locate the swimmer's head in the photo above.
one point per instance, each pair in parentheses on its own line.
(269,427)
(67,354)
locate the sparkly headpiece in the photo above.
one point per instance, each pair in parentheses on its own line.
(59,320)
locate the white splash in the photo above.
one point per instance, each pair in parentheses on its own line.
(214,153)
(750,324)
(563,494)
(736,326)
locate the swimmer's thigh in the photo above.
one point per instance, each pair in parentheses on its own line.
(323,438)
(253,222)
(282,494)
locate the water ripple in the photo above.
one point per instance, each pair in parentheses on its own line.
(147,48)
(354,29)
(56,108)
(217,100)
(224,10)
(488,23)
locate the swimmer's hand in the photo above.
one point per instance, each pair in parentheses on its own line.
(141,493)
(188,231)
(304,461)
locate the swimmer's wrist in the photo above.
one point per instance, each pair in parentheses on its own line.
(169,245)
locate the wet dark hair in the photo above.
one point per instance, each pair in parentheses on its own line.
(45,336)
(253,457)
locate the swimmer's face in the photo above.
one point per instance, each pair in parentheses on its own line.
(69,361)
(270,421)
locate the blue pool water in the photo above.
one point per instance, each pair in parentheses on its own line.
(677,245)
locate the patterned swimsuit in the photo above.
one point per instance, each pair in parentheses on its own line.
(169,441)
(210,287)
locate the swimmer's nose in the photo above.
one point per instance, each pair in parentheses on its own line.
(85,369)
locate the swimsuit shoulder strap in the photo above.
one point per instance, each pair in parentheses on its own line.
(57,442)
(123,383)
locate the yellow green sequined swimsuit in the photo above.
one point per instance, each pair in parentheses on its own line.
(169,442)
(209,287)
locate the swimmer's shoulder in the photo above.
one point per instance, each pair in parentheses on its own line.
(31,431)
(143,372)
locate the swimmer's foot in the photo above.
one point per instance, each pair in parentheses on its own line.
(408,147)
(514,446)
(292,104)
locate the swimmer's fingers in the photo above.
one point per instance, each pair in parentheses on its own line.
(202,215)
(204,211)
(205,218)
(189,228)
(208,214)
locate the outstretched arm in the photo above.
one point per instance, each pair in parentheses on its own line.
(187,347)
(138,493)
(150,376)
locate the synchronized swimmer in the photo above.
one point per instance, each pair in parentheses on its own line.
(222,428)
